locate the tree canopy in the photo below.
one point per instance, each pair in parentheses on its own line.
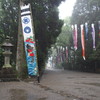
(87,11)
(65,35)
(46,23)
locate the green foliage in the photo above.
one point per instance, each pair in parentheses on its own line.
(1,58)
(59,66)
(9,23)
(87,11)
(63,38)
(96,54)
(46,24)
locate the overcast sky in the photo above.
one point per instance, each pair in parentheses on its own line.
(66,8)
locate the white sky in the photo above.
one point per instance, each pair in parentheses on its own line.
(66,8)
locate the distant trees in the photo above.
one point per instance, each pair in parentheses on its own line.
(8,24)
(87,11)
(84,11)
(62,43)
(64,38)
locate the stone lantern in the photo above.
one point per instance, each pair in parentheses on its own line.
(7,47)
(7,73)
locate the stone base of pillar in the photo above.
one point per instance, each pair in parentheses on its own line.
(7,66)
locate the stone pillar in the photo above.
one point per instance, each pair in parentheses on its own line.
(7,59)
(7,46)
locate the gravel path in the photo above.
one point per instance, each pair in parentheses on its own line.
(26,91)
(78,85)
(54,85)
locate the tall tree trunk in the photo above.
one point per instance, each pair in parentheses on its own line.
(20,60)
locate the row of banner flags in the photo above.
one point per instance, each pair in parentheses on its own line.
(63,53)
(84,34)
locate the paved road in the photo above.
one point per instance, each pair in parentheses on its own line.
(85,86)
(55,85)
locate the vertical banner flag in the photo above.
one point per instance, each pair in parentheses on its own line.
(93,35)
(74,29)
(99,28)
(86,30)
(83,41)
(29,40)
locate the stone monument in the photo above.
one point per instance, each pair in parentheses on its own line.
(7,46)
(7,73)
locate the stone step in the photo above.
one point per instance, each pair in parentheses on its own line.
(9,79)
(8,76)
(7,71)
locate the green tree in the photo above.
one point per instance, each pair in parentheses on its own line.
(63,41)
(87,11)
(46,23)
(65,35)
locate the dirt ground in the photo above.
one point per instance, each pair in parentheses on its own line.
(54,85)
(80,85)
